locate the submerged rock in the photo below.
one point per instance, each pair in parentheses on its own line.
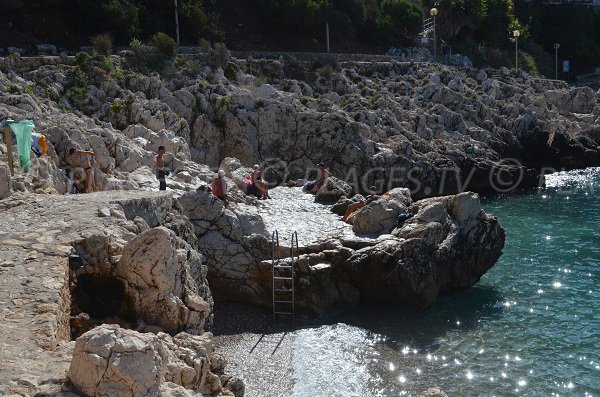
(433,392)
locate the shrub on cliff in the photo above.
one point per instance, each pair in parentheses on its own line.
(82,59)
(102,44)
(221,54)
(164,44)
(143,56)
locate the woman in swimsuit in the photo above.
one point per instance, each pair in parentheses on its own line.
(85,162)
(262,187)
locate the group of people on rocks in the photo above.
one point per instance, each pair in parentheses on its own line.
(254,184)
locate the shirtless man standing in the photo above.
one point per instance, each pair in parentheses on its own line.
(161,172)
(83,159)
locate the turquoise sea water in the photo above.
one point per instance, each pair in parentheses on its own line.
(530,327)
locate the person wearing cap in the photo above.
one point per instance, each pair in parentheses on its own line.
(219,186)
(352,208)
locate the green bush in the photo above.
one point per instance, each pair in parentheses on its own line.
(231,70)
(12,89)
(545,61)
(80,79)
(220,54)
(106,64)
(205,46)
(164,44)
(528,64)
(143,56)
(102,44)
(82,59)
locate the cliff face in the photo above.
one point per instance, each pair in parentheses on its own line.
(433,129)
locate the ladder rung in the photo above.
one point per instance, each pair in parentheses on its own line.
(286,313)
(283,290)
(282,278)
(284,302)
(282,267)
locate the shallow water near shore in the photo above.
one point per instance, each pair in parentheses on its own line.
(530,327)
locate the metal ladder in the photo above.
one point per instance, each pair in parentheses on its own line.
(283,278)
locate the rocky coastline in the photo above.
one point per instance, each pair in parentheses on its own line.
(96,282)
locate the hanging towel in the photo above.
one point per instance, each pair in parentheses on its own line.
(22,131)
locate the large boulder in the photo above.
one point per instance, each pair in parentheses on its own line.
(449,244)
(332,190)
(381,216)
(111,361)
(166,282)
(233,241)
(577,100)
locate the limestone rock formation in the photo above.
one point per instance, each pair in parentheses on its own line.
(391,123)
(233,242)
(332,190)
(119,257)
(380,216)
(158,271)
(449,244)
(111,361)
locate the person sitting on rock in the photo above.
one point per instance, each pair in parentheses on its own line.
(38,144)
(261,186)
(161,171)
(352,208)
(218,186)
(322,175)
(83,159)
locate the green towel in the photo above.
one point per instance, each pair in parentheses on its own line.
(22,131)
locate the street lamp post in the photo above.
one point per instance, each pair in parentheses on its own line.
(516,35)
(327,25)
(556,47)
(433,12)
(176,24)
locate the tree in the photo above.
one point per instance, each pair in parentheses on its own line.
(400,20)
